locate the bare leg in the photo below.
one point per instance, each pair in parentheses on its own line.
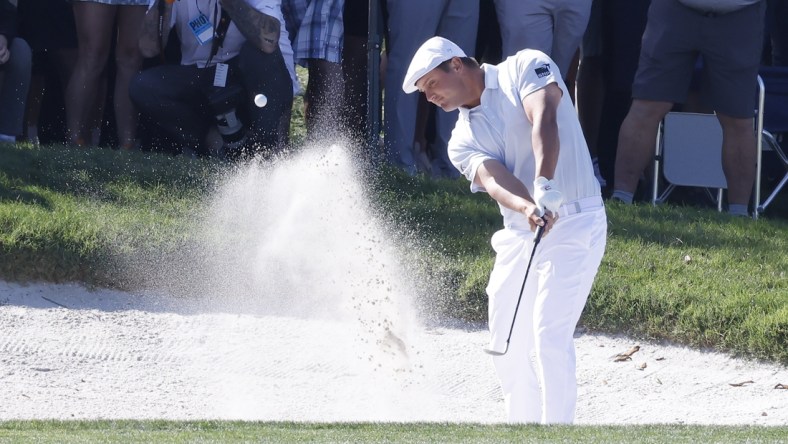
(94,22)
(636,142)
(129,62)
(739,156)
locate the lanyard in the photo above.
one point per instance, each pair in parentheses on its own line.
(219,30)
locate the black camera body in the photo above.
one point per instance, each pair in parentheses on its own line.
(223,102)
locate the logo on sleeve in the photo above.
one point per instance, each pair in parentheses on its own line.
(543,71)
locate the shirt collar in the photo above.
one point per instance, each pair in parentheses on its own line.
(490,76)
(490,82)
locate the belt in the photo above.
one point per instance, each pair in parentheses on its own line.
(580,205)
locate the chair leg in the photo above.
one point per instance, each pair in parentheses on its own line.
(771,197)
(771,143)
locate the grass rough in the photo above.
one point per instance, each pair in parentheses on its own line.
(677,273)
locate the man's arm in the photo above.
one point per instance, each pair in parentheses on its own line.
(150,43)
(510,192)
(541,108)
(260,29)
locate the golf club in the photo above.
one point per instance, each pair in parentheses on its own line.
(537,238)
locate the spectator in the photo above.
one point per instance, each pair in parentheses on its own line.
(231,52)
(554,27)
(96,22)
(488,36)
(411,22)
(676,32)
(355,19)
(15,61)
(623,23)
(610,51)
(317,31)
(591,86)
(48,26)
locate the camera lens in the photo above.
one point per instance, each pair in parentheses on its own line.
(223,103)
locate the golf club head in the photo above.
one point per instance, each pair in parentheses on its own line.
(495,352)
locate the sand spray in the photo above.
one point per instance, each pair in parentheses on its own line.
(298,242)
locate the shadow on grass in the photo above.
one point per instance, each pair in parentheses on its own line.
(26,197)
(89,172)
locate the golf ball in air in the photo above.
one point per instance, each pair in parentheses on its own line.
(260,100)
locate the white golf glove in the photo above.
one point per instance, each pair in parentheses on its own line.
(546,195)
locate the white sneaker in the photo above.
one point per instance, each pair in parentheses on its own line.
(7,138)
(598,174)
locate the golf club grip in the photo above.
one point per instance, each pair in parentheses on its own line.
(539,231)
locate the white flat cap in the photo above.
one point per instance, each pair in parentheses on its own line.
(432,53)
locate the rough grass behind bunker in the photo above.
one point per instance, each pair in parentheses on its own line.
(113,219)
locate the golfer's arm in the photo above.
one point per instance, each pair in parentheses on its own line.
(541,108)
(503,186)
(259,29)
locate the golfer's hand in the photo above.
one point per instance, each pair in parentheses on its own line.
(546,195)
(5,54)
(537,217)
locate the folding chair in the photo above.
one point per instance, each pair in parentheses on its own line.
(772,120)
(689,152)
(689,145)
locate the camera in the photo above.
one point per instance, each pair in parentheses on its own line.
(223,102)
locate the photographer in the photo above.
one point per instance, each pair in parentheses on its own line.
(231,51)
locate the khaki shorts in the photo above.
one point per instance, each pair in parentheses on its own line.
(730,45)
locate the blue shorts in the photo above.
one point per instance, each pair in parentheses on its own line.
(730,44)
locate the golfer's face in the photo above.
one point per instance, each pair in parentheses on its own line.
(442,88)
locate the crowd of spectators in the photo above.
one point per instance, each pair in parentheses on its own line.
(194,73)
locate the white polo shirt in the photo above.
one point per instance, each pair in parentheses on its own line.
(499,129)
(184,12)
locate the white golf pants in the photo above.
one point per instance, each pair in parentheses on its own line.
(538,372)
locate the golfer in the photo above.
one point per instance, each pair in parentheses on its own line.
(518,139)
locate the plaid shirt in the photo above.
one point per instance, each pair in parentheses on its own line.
(316,27)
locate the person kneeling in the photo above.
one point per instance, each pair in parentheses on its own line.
(232,51)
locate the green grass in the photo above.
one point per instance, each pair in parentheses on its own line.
(63,212)
(247,432)
(683,274)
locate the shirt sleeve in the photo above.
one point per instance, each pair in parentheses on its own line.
(268,7)
(535,70)
(466,157)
